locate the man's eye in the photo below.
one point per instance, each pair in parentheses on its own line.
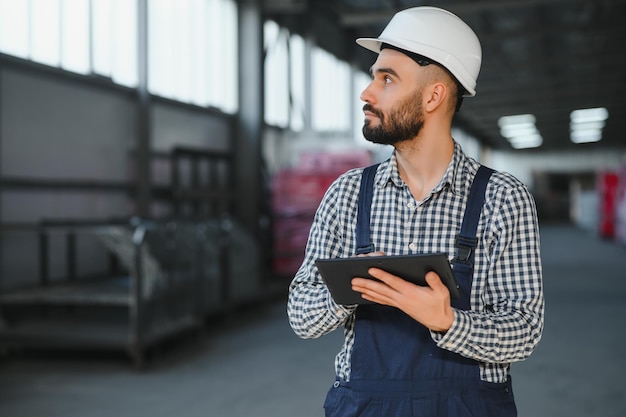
(387,79)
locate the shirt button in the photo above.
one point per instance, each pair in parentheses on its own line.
(411,205)
(413,246)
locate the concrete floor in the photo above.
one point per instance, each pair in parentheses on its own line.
(252,364)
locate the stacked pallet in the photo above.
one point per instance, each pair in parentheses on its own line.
(296,193)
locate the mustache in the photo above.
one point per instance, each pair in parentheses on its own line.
(368,107)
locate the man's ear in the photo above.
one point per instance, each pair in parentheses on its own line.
(435,96)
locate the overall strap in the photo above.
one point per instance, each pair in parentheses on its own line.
(364,243)
(467,241)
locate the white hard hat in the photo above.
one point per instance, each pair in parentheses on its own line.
(436,34)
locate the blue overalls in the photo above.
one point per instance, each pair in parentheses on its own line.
(397,369)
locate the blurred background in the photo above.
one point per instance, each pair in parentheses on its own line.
(161,162)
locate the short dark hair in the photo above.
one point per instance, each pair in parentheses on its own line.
(423,61)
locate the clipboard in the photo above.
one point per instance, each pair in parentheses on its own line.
(338,273)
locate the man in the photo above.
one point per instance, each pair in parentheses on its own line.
(413,352)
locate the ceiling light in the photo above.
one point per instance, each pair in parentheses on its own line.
(586,136)
(518,119)
(515,131)
(589,115)
(525,142)
(520,131)
(586,124)
(598,125)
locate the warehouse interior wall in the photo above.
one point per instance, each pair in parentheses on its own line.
(60,134)
(53,129)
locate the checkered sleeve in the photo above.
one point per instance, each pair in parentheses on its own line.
(506,319)
(311,310)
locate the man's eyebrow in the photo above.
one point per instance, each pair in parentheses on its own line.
(390,71)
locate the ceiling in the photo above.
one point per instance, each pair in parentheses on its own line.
(540,57)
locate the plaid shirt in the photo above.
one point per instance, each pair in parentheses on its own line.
(505,321)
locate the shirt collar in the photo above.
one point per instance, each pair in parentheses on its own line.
(456,169)
(452,177)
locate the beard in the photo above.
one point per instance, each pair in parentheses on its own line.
(403,122)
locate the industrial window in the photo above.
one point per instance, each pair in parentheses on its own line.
(192,52)
(15,27)
(361,81)
(330,91)
(284,79)
(297,53)
(114,40)
(82,36)
(276,74)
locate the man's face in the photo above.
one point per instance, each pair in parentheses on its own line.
(402,122)
(393,108)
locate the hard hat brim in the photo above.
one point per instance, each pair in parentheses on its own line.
(373,44)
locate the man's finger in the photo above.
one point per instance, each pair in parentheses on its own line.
(434,281)
(377,253)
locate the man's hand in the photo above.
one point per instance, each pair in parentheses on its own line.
(428,305)
(377,253)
